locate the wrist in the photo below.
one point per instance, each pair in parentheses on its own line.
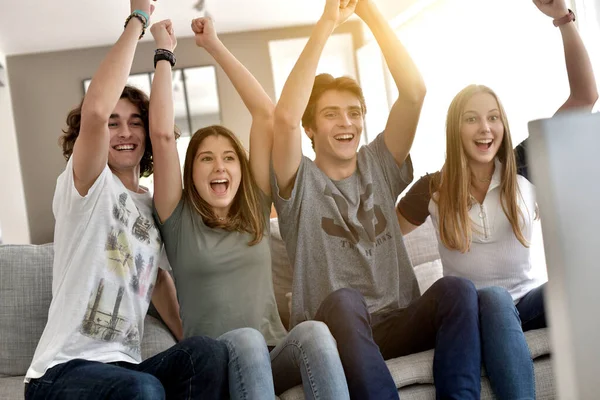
(565,18)
(327,22)
(213,46)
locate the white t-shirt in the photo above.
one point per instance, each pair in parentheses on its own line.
(106,256)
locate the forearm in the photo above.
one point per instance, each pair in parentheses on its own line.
(165,301)
(258,103)
(161,114)
(582,83)
(405,73)
(110,78)
(298,87)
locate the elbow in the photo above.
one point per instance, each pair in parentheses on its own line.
(419,92)
(284,121)
(264,112)
(94,113)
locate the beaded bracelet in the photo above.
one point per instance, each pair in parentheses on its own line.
(142,19)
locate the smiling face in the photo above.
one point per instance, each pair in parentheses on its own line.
(127,137)
(338,126)
(481,128)
(217,173)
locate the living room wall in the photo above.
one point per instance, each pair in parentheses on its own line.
(46,86)
(13,217)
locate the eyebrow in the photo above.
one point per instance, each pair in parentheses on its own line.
(475,112)
(134,115)
(337,108)
(210,152)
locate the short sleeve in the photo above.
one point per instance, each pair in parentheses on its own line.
(397,177)
(414,206)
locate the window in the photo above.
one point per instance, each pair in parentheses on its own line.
(195,102)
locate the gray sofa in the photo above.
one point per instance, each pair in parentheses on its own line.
(25,294)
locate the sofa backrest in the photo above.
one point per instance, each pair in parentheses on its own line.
(25,295)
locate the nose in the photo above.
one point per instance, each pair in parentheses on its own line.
(485,126)
(124,131)
(219,165)
(345,120)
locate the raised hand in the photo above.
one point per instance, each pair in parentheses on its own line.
(164,35)
(142,5)
(552,8)
(204,31)
(339,10)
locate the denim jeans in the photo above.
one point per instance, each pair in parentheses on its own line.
(309,355)
(445,317)
(250,375)
(506,356)
(195,368)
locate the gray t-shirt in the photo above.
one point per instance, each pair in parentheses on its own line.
(222,283)
(345,234)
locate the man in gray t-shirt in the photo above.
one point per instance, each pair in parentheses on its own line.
(337,218)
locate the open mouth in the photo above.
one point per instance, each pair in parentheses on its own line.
(484,144)
(344,137)
(125,147)
(219,186)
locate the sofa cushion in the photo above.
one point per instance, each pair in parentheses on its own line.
(12,388)
(157,337)
(25,295)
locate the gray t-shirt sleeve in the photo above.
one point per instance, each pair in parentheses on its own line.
(170,229)
(287,208)
(397,178)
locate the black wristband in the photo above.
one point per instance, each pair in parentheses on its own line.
(164,54)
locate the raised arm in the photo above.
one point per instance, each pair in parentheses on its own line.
(253,95)
(404,115)
(167,170)
(583,89)
(90,153)
(287,141)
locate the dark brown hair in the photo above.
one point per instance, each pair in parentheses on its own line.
(138,99)
(323,83)
(245,214)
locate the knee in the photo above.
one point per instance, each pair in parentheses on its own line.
(458,291)
(343,302)
(313,333)
(141,386)
(206,351)
(244,338)
(494,299)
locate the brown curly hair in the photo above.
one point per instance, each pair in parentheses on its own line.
(138,99)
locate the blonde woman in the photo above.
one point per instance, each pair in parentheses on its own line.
(483,206)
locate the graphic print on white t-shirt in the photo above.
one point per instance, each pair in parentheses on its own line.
(106,316)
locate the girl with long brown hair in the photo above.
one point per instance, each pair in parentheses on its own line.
(483,207)
(215,228)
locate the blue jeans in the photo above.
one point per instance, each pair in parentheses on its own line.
(308,356)
(250,375)
(445,317)
(195,368)
(506,356)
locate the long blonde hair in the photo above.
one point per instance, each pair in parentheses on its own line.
(245,214)
(453,184)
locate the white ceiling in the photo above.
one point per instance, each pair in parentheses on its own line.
(31,26)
